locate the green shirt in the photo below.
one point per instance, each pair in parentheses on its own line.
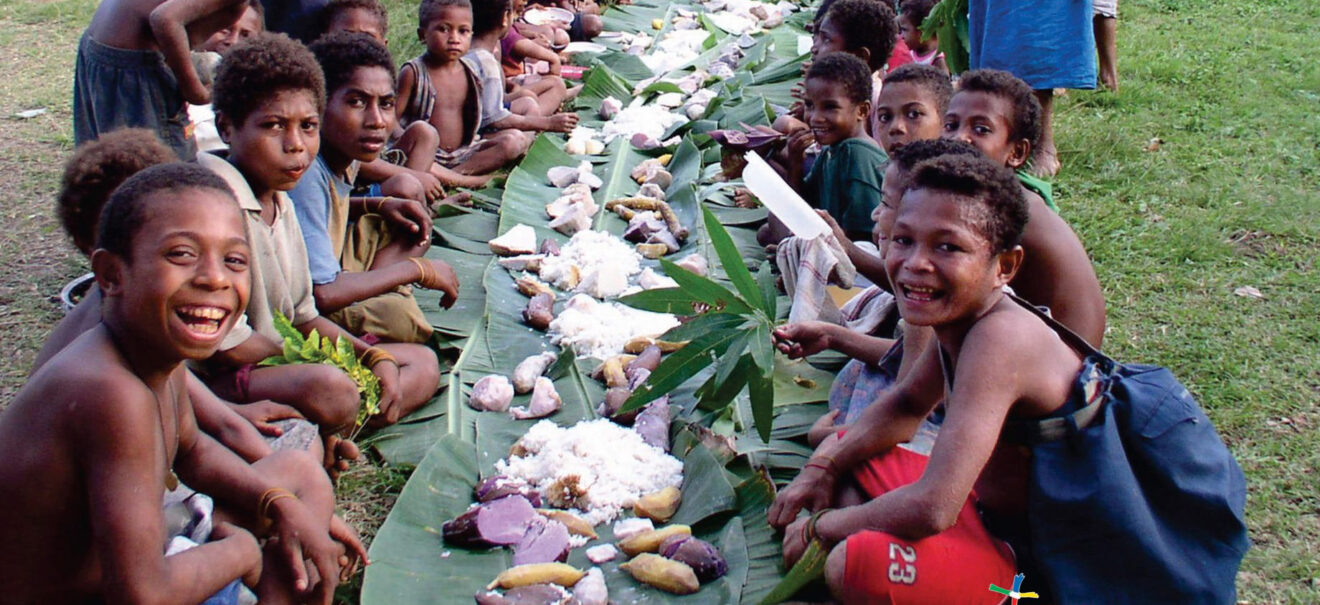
(1042,188)
(845,182)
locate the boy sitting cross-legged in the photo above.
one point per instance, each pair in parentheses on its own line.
(441,89)
(269,95)
(111,416)
(999,114)
(363,252)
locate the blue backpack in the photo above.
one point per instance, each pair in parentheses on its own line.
(1133,496)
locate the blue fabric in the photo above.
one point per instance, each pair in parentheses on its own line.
(116,88)
(1143,505)
(860,384)
(311,202)
(300,19)
(1046,43)
(227,595)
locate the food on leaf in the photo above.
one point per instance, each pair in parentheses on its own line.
(666,574)
(491,394)
(521,239)
(659,506)
(525,375)
(496,523)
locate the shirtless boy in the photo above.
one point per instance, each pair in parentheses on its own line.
(441,89)
(999,114)
(111,417)
(954,245)
(134,66)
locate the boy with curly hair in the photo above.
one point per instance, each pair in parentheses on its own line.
(364,251)
(112,416)
(269,96)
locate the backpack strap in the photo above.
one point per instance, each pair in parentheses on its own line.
(1032,432)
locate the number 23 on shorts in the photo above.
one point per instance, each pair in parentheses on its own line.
(902,564)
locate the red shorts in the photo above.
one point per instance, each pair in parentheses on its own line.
(955,566)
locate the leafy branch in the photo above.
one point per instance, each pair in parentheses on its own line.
(727,329)
(337,352)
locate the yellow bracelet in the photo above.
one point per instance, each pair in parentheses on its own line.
(268,498)
(375,355)
(421,266)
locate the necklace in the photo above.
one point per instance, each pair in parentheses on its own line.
(171,480)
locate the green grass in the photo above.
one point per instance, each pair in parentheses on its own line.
(1228,200)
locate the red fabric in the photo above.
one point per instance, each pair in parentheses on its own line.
(955,566)
(901,55)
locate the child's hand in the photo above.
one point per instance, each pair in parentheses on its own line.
(430,184)
(301,537)
(408,216)
(743,198)
(812,489)
(224,530)
(437,275)
(563,122)
(262,413)
(798,142)
(823,427)
(388,373)
(797,340)
(354,551)
(195,92)
(838,231)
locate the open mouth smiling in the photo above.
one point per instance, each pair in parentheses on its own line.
(202,320)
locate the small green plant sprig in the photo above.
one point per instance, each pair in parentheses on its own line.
(337,352)
(730,330)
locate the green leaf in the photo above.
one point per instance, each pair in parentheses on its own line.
(732,262)
(763,350)
(701,324)
(765,280)
(810,567)
(662,300)
(761,390)
(681,365)
(704,289)
(706,488)
(286,329)
(764,567)
(719,392)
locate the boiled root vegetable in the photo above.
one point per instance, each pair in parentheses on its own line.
(491,393)
(614,400)
(499,486)
(612,372)
(694,262)
(653,424)
(652,251)
(623,361)
(525,375)
(652,191)
(575,218)
(522,262)
(648,359)
(645,203)
(639,344)
(539,313)
(549,247)
(700,555)
(531,286)
(650,541)
(666,574)
(576,525)
(545,401)
(659,506)
(535,594)
(546,541)
(521,239)
(609,107)
(591,590)
(496,523)
(537,573)
(601,553)
(636,526)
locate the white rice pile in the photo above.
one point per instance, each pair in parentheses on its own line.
(604,264)
(601,329)
(612,464)
(650,120)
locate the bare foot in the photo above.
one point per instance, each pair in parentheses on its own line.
(1045,163)
(1109,79)
(573,93)
(338,453)
(471,181)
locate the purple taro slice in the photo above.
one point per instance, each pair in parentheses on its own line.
(499,522)
(545,541)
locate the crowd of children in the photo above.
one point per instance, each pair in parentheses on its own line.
(310,198)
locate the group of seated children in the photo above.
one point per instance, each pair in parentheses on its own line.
(914,490)
(196,263)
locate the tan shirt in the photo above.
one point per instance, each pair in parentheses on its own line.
(280,277)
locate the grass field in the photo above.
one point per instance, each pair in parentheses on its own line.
(1228,201)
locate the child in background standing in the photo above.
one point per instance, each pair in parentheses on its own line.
(134,67)
(925,51)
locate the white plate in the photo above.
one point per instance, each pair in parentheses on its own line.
(546,14)
(583,47)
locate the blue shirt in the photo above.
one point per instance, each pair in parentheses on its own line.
(311,202)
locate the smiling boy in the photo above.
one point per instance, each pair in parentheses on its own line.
(845,180)
(954,245)
(112,417)
(363,252)
(269,95)
(998,114)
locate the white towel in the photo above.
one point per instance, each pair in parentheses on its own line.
(808,266)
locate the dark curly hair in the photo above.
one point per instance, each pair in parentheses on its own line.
(95,170)
(340,53)
(430,9)
(332,10)
(916,10)
(996,205)
(916,152)
(256,69)
(927,78)
(866,24)
(844,69)
(1025,121)
(125,212)
(487,15)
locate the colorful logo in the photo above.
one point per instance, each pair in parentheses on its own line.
(1014,594)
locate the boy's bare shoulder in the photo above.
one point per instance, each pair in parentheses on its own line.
(1009,331)
(89,378)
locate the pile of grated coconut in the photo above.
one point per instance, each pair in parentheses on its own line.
(594,262)
(601,329)
(612,465)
